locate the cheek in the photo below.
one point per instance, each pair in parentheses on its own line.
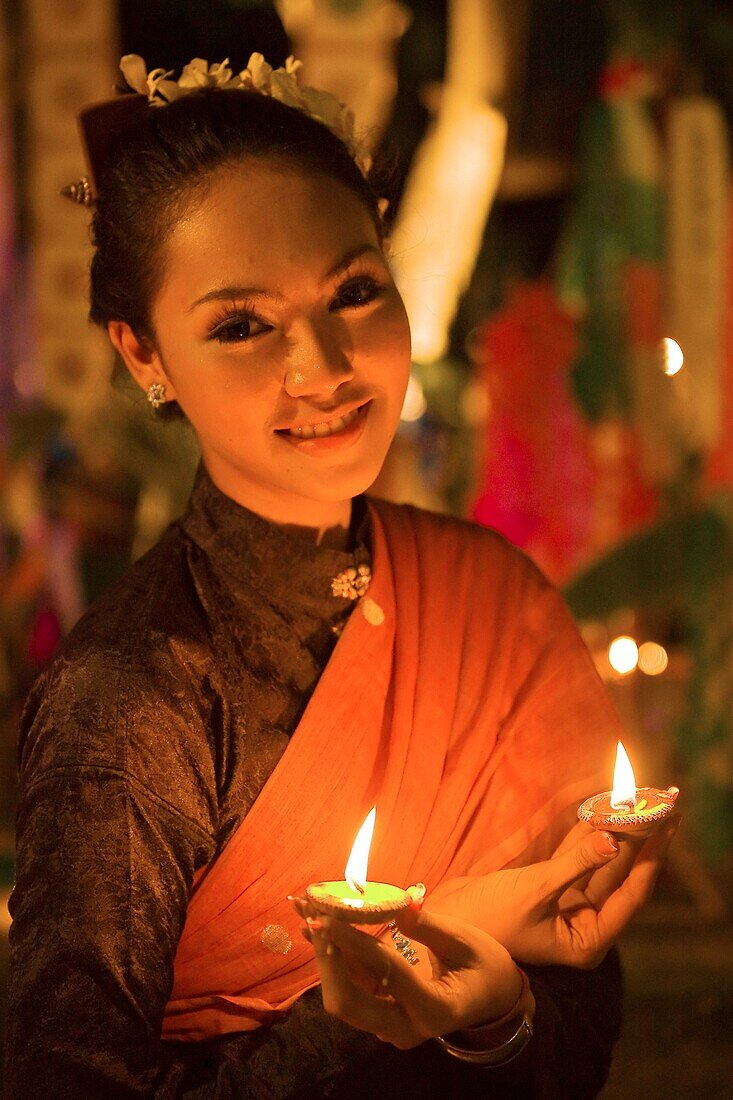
(386,342)
(219,370)
(224,392)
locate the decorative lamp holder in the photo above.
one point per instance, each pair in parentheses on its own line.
(354,898)
(628,810)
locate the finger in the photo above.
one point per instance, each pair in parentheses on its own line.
(417,894)
(448,938)
(323,947)
(343,998)
(596,886)
(578,832)
(421,1000)
(637,887)
(314,934)
(574,864)
(303,907)
(578,888)
(605,880)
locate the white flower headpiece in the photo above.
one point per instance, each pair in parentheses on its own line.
(282,84)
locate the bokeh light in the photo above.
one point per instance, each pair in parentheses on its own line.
(672,356)
(415,404)
(623,654)
(653,658)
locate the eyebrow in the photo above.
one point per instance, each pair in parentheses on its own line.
(256,292)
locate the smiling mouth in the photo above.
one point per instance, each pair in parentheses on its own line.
(325,428)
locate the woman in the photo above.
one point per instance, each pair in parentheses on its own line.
(213,731)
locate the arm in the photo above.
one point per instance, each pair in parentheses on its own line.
(103,872)
(577,1007)
(556,919)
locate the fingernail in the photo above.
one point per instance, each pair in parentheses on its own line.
(417,894)
(673,792)
(330,949)
(608,846)
(313,924)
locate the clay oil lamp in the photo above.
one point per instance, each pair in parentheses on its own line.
(354,898)
(628,810)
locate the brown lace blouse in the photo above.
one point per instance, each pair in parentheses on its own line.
(138,759)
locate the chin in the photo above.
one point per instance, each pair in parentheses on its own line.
(335,487)
(337,481)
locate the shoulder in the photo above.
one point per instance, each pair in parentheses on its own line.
(473,577)
(155,593)
(459,543)
(127,676)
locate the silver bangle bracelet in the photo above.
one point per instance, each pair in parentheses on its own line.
(499,1056)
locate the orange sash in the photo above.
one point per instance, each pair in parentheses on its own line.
(472,716)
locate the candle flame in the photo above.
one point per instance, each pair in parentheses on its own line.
(356,867)
(624,781)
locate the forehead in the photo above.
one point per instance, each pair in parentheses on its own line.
(264,225)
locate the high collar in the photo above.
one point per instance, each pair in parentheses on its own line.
(282,563)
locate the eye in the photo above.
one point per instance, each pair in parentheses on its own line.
(357,292)
(237,328)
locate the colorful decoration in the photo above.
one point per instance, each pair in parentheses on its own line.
(719,468)
(646,260)
(524,354)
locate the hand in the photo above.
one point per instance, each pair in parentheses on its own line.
(367,984)
(569,909)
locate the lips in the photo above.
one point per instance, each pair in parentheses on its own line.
(338,434)
(331,425)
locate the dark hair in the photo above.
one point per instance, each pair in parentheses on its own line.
(165,163)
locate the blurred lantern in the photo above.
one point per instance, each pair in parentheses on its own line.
(453,179)
(349,50)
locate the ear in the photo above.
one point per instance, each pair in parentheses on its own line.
(140,358)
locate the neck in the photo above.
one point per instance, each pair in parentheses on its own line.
(326,522)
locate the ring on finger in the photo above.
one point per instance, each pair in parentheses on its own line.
(403,944)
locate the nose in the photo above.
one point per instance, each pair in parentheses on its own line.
(318,363)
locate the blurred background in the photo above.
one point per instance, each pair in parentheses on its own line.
(569,281)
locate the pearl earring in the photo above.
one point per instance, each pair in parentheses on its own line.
(156,394)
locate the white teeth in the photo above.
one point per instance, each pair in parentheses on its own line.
(320,431)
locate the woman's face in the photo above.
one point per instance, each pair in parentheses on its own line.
(284,339)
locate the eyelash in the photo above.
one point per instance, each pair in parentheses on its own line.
(238,318)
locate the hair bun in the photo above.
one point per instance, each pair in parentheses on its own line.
(101,125)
